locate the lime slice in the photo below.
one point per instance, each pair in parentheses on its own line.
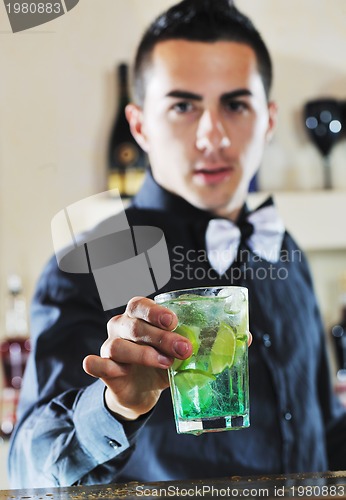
(187,380)
(192,334)
(222,352)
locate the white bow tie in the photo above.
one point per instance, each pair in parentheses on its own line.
(223,238)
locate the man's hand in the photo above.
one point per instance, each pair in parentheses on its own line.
(135,357)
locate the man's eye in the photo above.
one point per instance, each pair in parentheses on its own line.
(237,106)
(182,107)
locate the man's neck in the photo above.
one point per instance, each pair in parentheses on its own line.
(154,196)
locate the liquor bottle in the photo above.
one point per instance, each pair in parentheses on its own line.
(126,160)
(14,349)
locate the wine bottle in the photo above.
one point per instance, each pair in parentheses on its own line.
(14,349)
(126,160)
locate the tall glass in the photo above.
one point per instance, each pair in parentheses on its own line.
(210,389)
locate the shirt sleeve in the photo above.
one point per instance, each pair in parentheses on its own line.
(72,440)
(65,434)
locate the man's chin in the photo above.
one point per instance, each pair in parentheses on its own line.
(212,204)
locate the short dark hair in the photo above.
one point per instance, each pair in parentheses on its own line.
(202,21)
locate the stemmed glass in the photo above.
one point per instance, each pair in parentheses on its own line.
(323,119)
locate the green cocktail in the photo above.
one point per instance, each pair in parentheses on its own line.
(210,389)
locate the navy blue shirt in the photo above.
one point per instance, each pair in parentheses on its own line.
(65,434)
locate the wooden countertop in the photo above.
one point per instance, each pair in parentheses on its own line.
(331,485)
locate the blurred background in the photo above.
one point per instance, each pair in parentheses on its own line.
(58,101)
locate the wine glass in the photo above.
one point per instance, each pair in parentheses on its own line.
(323,119)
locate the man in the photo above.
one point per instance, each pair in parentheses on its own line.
(203,114)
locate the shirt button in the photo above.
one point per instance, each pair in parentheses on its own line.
(288,416)
(113,444)
(266,340)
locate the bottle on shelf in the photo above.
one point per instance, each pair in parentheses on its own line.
(14,349)
(126,159)
(339,340)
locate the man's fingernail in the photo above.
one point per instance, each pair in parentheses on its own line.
(166,319)
(181,347)
(163,360)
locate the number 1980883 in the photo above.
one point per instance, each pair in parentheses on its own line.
(34,8)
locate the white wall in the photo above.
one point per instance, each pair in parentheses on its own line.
(57,101)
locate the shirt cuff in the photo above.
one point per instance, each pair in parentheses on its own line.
(98,431)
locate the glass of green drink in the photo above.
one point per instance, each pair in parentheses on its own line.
(210,389)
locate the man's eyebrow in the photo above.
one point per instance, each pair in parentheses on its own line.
(236,93)
(184,94)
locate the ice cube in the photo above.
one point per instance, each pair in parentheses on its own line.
(224,292)
(235,302)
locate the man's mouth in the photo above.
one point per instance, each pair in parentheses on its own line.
(212,174)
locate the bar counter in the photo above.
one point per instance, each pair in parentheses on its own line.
(330,485)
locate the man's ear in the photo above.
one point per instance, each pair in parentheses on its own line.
(272,121)
(134,115)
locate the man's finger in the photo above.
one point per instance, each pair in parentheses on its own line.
(130,353)
(147,310)
(103,368)
(140,332)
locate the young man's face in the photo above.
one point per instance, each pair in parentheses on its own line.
(204,122)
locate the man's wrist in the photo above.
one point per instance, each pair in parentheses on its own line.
(118,411)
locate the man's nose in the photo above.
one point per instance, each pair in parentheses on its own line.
(211,133)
